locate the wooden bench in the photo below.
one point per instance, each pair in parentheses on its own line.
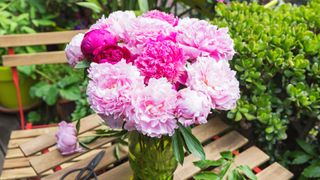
(25,160)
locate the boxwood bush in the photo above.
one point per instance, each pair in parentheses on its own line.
(277,64)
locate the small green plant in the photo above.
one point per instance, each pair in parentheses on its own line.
(224,165)
(308,156)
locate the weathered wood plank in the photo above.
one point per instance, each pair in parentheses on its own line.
(107,159)
(14,153)
(275,172)
(44,141)
(53,57)
(228,142)
(14,143)
(17,173)
(31,132)
(16,163)
(38,38)
(54,158)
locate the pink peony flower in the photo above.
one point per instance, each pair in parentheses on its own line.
(217,80)
(112,121)
(169,18)
(66,136)
(193,107)
(153,108)
(111,54)
(73,50)
(110,86)
(220,1)
(119,21)
(95,39)
(200,38)
(161,58)
(143,29)
(101,23)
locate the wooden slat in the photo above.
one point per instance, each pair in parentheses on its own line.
(53,57)
(31,132)
(251,157)
(202,132)
(54,158)
(14,143)
(44,141)
(17,173)
(14,153)
(38,38)
(230,142)
(275,172)
(16,163)
(107,159)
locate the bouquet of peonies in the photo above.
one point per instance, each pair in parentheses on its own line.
(155,73)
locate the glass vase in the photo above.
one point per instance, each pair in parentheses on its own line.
(151,158)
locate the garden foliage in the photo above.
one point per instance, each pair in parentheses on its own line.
(278,65)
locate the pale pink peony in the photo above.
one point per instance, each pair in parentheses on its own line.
(112,121)
(169,18)
(144,29)
(119,22)
(161,58)
(193,107)
(73,50)
(200,38)
(67,142)
(110,86)
(95,39)
(153,108)
(216,79)
(101,23)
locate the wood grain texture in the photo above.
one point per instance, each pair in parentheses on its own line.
(228,142)
(46,140)
(16,163)
(54,158)
(122,172)
(31,132)
(38,38)
(275,172)
(15,143)
(17,173)
(14,153)
(53,57)
(107,160)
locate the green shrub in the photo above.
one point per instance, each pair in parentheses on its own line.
(277,64)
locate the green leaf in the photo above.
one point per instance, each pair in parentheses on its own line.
(51,97)
(178,151)
(227,155)
(300,158)
(193,144)
(247,172)
(234,175)
(82,64)
(308,148)
(143,5)
(206,175)
(225,167)
(88,140)
(34,116)
(68,80)
(94,7)
(116,152)
(204,164)
(72,93)
(78,125)
(312,171)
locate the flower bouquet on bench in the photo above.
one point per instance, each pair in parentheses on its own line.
(151,78)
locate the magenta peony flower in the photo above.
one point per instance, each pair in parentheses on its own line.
(119,21)
(217,80)
(200,38)
(95,39)
(153,108)
(161,58)
(67,142)
(73,50)
(193,107)
(110,86)
(169,18)
(111,54)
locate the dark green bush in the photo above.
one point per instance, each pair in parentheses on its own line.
(277,64)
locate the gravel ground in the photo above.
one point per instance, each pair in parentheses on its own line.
(8,122)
